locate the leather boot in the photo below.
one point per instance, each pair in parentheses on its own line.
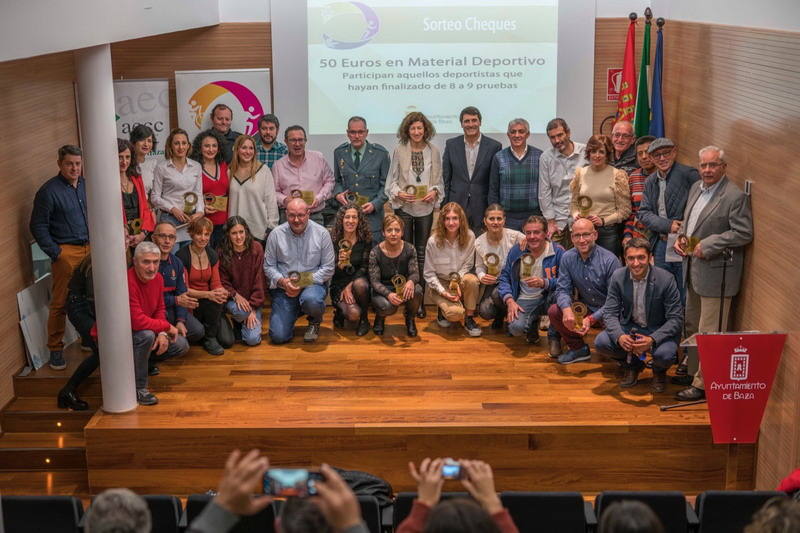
(338,318)
(659,380)
(68,399)
(411,326)
(631,375)
(363,326)
(377,327)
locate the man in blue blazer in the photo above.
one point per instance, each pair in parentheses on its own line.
(466,163)
(643,314)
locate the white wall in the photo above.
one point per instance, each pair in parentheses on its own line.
(245,10)
(767,14)
(620,8)
(35,27)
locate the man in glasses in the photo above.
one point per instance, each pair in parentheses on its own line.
(624,156)
(661,211)
(302,174)
(585,271)
(360,174)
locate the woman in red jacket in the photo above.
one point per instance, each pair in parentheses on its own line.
(207,150)
(136,211)
(241,268)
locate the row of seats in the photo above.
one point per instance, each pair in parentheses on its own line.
(562,512)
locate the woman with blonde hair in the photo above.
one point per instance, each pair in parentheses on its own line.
(251,193)
(414,184)
(450,256)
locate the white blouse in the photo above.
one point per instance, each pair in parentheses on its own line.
(401,175)
(254,200)
(509,239)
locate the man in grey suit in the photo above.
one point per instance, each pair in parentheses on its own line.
(360,174)
(466,163)
(642,314)
(718,216)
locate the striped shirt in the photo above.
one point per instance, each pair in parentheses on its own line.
(634,228)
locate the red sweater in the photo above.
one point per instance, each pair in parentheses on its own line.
(245,274)
(147,303)
(217,187)
(415,522)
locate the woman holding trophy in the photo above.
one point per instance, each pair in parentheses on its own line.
(601,194)
(138,217)
(394,277)
(491,251)
(414,184)
(207,150)
(450,256)
(178,185)
(352,242)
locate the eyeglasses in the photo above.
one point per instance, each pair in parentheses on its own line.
(621,136)
(579,236)
(295,141)
(661,155)
(165,236)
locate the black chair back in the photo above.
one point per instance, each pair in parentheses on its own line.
(35,514)
(670,506)
(561,512)
(371,513)
(263,522)
(165,512)
(729,511)
(404,501)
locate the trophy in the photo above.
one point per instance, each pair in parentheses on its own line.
(135,226)
(584,205)
(580,310)
(688,244)
(189,202)
(300,279)
(526,270)
(399,282)
(455,281)
(419,191)
(220,203)
(492,262)
(306,196)
(345,264)
(350,197)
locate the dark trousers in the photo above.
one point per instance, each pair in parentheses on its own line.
(491,305)
(610,238)
(383,307)
(416,231)
(573,340)
(209,313)
(79,313)
(356,310)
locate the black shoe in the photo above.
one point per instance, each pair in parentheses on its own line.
(153,371)
(659,381)
(554,346)
(682,370)
(212,346)
(532,335)
(338,318)
(472,327)
(363,327)
(377,327)
(631,376)
(411,326)
(497,323)
(421,313)
(68,399)
(691,394)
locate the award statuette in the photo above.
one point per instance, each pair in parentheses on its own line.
(455,281)
(135,226)
(580,310)
(300,279)
(355,198)
(189,202)
(688,244)
(584,205)
(346,248)
(220,203)
(306,196)
(526,270)
(399,282)
(492,262)
(419,191)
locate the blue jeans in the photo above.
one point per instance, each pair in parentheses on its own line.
(663,354)
(286,310)
(250,336)
(519,326)
(676,269)
(142,344)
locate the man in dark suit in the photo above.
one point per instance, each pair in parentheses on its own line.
(643,314)
(466,163)
(360,170)
(718,215)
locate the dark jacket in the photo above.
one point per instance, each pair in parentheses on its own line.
(470,192)
(627,161)
(679,180)
(662,302)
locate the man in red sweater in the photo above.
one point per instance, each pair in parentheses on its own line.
(151,331)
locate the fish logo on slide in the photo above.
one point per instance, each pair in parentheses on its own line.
(203,98)
(371,20)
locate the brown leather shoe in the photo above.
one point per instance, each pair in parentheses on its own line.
(631,377)
(555,347)
(691,394)
(659,381)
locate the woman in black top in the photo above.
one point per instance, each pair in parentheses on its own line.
(394,257)
(349,285)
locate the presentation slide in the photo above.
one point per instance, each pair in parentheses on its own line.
(384,58)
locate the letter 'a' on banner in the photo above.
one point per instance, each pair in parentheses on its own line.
(738,369)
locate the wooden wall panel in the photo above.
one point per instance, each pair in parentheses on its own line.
(226,46)
(739,88)
(38,117)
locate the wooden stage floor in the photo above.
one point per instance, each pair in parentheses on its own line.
(375,403)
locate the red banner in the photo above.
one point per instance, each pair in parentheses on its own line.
(626,105)
(738,369)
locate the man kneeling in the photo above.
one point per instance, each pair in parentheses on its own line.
(642,315)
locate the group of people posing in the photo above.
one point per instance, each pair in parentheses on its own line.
(521,235)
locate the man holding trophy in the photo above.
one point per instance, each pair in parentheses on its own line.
(586,270)
(528,276)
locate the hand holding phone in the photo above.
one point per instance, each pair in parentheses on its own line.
(287,482)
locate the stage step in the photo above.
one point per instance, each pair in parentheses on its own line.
(69,482)
(50,385)
(42,415)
